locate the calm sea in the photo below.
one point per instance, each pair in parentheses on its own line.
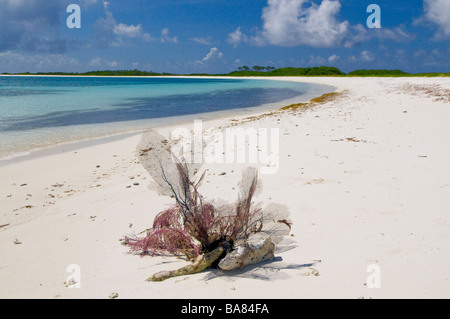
(36,112)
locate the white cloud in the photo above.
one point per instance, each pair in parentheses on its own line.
(213,54)
(18,62)
(364,57)
(438,12)
(316,60)
(333,58)
(101,63)
(112,33)
(305,22)
(302,22)
(396,34)
(166,38)
(204,41)
(237,37)
(131,31)
(367,56)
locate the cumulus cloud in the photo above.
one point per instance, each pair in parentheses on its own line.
(237,37)
(131,31)
(112,33)
(213,54)
(304,22)
(438,13)
(301,22)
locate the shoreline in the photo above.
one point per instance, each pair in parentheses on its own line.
(31,153)
(365,178)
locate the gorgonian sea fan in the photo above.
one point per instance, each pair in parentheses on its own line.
(172,235)
(167,237)
(166,241)
(170,218)
(192,226)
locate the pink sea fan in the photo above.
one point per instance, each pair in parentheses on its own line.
(164,241)
(167,237)
(170,218)
(194,226)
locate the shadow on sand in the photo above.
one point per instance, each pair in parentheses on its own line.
(269,270)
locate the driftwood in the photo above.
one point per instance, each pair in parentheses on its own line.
(249,253)
(203,262)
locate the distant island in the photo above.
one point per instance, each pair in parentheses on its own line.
(253,71)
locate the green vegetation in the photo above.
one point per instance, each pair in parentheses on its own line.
(101,73)
(324,71)
(271,71)
(432,74)
(255,71)
(378,73)
(124,73)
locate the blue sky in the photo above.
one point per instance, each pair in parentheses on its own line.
(217,36)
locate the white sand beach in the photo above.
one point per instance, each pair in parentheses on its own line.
(365,177)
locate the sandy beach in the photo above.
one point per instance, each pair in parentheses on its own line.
(365,177)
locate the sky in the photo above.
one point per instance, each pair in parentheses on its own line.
(218,36)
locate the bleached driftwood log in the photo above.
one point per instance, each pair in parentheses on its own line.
(203,262)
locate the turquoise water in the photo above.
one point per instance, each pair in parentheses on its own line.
(41,111)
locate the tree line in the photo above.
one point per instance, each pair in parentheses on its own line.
(271,71)
(251,71)
(256,68)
